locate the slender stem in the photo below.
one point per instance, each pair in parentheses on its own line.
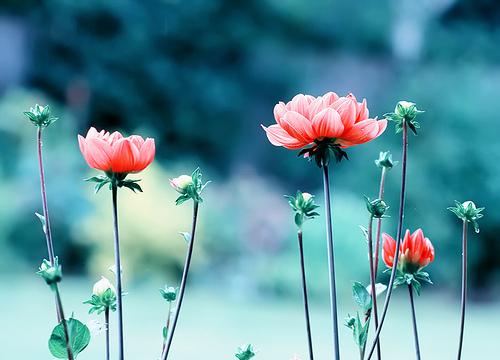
(106,320)
(65,326)
(379,222)
(331,264)
(398,241)
(464,288)
(304,295)
(167,326)
(118,271)
(48,234)
(414,318)
(183,283)
(372,282)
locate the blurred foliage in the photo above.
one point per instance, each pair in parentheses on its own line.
(200,76)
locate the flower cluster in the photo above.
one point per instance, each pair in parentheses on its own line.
(325,123)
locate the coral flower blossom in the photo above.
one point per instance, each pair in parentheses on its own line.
(307,119)
(416,251)
(115,153)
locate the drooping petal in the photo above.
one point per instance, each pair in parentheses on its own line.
(279,137)
(125,155)
(327,123)
(298,126)
(364,131)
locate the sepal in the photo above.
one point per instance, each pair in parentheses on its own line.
(40,116)
(245,352)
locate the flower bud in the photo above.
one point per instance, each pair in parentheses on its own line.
(182,183)
(404,115)
(40,116)
(101,286)
(385,161)
(169,293)
(376,207)
(51,274)
(468,212)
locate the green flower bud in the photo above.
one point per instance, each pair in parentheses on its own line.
(169,293)
(40,116)
(385,161)
(376,207)
(51,274)
(304,207)
(405,114)
(182,183)
(103,296)
(468,212)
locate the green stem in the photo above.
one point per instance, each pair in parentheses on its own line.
(464,288)
(183,282)
(106,320)
(372,282)
(48,234)
(167,326)
(65,326)
(414,319)
(304,295)
(331,265)
(398,241)
(118,273)
(379,222)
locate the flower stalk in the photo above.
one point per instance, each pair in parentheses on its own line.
(183,283)
(414,321)
(464,289)
(304,296)
(404,122)
(331,264)
(118,273)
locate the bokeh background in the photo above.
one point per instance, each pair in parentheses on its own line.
(200,77)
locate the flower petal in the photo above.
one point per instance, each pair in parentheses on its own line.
(347,111)
(279,137)
(298,127)
(299,103)
(97,153)
(125,156)
(388,249)
(364,131)
(327,123)
(146,154)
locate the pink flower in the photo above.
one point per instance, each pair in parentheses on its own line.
(415,253)
(341,120)
(113,152)
(296,357)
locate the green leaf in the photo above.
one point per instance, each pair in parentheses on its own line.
(361,296)
(165,333)
(187,236)
(79,338)
(42,219)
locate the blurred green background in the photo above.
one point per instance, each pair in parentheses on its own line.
(200,77)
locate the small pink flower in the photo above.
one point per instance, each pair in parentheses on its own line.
(415,253)
(113,152)
(305,119)
(296,357)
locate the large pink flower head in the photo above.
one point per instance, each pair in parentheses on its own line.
(323,123)
(116,155)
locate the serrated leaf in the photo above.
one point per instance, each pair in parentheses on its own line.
(79,338)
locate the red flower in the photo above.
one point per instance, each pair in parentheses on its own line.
(305,119)
(415,252)
(114,153)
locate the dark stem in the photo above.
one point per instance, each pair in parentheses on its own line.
(331,264)
(464,288)
(65,326)
(106,320)
(304,295)
(414,318)
(118,273)
(167,326)
(183,283)
(398,241)
(48,234)
(379,222)
(372,282)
